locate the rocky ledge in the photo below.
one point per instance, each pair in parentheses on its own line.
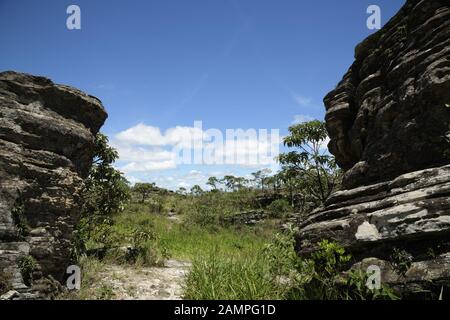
(46,140)
(409,215)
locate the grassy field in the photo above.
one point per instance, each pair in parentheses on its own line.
(228,261)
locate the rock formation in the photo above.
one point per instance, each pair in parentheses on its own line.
(46,142)
(389,123)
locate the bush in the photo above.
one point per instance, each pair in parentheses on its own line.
(105,192)
(137,242)
(19,218)
(202,215)
(321,277)
(27,265)
(146,249)
(155,206)
(278,208)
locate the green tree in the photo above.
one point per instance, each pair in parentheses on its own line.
(104,193)
(196,190)
(240,183)
(144,190)
(311,163)
(273,182)
(291,184)
(259,177)
(213,182)
(229,182)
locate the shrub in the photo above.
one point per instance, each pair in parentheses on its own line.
(325,280)
(104,194)
(279,208)
(18,215)
(27,265)
(146,247)
(202,215)
(401,260)
(155,206)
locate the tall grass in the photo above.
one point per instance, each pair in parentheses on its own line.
(187,242)
(216,276)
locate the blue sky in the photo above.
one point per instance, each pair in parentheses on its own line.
(162,64)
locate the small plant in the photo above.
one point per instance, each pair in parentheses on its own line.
(27,265)
(323,269)
(401,260)
(147,249)
(105,292)
(20,220)
(357,289)
(280,254)
(403,31)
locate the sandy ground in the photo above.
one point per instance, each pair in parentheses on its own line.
(155,283)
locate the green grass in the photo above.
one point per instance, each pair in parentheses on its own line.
(188,242)
(219,277)
(226,261)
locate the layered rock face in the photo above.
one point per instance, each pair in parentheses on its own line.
(389,115)
(46,141)
(389,123)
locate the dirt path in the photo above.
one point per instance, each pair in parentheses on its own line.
(155,283)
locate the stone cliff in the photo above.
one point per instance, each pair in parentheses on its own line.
(388,115)
(389,122)
(46,141)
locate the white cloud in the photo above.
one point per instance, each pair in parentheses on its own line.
(186,180)
(183,184)
(142,134)
(145,148)
(148,166)
(302,100)
(301,118)
(189,179)
(142,154)
(133,180)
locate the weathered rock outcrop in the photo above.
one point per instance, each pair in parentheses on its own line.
(390,114)
(46,142)
(389,122)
